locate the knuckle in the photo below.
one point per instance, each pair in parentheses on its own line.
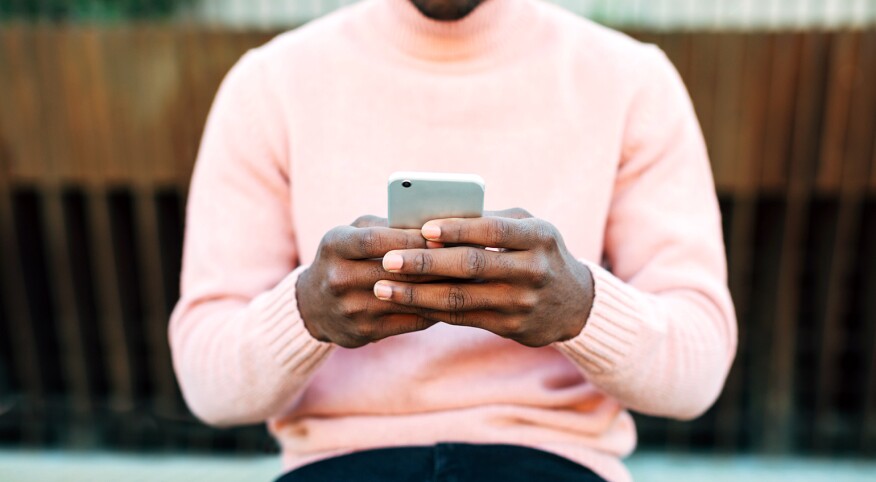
(331,239)
(350,308)
(545,234)
(409,295)
(474,263)
(337,282)
(413,240)
(539,273)
(361,221)
(516,213)
(456,318)
(455,299)
(423,262)
(365,331)
(455,231)
(368,240)
(513,327)
(525,302)
(500,231)
(368,220)
(376,273)
(423,323)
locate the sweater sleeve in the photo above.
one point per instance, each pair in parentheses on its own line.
(661,334)
(240,349)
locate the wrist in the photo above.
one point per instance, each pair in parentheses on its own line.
(581,313)
(303,299)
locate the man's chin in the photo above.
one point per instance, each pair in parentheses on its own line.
(446,9)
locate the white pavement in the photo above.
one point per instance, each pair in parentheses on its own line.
(29,466)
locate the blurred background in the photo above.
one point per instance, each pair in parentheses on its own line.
(102,104)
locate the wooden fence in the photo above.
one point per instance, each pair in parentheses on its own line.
(99,127)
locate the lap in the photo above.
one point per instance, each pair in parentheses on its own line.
(445,463)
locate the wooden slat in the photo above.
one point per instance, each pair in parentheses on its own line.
(110,314)
(155,317)
(103,54)
(861,153)
(853,171)
(66,310)
(838,103)
(868,432)
(780,112)
(23,338)
(728,102)
(154,166)
(12,279)
(804,147)
(774,233)
(738,148)
(755,97)
(103,155)
(868,427)
(23,124)
(702,83)
(57,67)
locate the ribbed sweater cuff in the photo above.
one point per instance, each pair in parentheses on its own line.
(614,324)
(288,341)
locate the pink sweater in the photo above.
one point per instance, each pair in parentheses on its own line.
(576,123)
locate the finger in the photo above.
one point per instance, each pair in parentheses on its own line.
(349,242)
(493,231)
(363,303)
(513,213)
(370,221)
(448,297)
(488,320)
(459,262)
(399,324)
(364,273)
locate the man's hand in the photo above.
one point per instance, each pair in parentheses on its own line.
(531,290)
(335,293)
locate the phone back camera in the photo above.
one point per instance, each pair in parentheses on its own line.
(406,183)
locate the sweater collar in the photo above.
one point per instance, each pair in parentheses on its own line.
(487,31)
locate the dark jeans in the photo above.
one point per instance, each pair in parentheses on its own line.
(446,462)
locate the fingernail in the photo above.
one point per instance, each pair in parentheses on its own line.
(382,291)
(430,231)
(393,262)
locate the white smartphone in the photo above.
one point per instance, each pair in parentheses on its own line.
(418,197)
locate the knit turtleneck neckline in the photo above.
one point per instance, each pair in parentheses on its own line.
(490,28)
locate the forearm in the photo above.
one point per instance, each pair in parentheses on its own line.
(664,354)
(241,363)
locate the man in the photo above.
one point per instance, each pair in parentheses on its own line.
(383,354)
